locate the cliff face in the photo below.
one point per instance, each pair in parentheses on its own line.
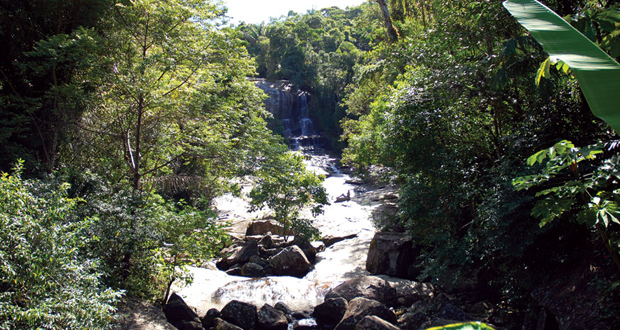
(290,106)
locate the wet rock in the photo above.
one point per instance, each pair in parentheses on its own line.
(252,270)
(283,308)
(305,324)
(373,322)
(209,319)
(362,307)
(238,254)
(291,261)
(370,287)
(178,313)
(234,271)
(331,311)
(452,312)
(330,240)
(307,247)
(240,314)
(258,260)
(270,318)
(266,253)
(220,324)
(300,315)
(391,254)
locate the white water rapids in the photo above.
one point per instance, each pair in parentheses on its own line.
(212,288)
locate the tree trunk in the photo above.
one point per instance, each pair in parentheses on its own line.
(392,32)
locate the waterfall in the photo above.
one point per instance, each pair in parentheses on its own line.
(292,109)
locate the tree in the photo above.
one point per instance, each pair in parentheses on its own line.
(174,97)
(285,186)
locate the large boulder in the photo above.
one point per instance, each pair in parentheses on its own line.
(330,311)
(373,322)
(409,292)
(270,318)
(209,319)
(371,287)
(291,261)
(240,314)
(236,255)
(179,314)
(252,270)
(263,227)
(362,307)
(392,254)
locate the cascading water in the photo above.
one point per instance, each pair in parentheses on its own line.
(292,109)
(213,288)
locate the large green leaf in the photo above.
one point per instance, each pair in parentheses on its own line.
(598,74)
(464,326)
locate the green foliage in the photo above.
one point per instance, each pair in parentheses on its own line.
(316,52)
(143,241)
(595,70)
(285,186)
(567,187)
(463,326)
(45,282)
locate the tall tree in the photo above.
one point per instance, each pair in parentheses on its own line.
(174,92)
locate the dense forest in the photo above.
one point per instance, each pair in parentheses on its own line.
(122,120)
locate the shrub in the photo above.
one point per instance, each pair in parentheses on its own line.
(44,282)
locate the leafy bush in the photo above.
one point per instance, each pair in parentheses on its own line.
(143,240)
(44,283)
(286,187)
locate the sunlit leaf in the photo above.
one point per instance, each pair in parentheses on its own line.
(598,74)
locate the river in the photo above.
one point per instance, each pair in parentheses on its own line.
(212,288)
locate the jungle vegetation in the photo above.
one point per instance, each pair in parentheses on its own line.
(122,120)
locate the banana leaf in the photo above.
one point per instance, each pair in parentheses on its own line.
(597,73)
(463,326)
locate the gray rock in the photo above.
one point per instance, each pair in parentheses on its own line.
(409,292)
(391,254)
(362,307)
(270,318)
(370,287)
(300,315)
(373,322)
(258,260)
(252,270)
(240,314)
(220,324)
(237,254)
(263,227)
(266,241)
(178,313)
(331,311)
(291,261)
(331,240)
(283,308)
(209,319)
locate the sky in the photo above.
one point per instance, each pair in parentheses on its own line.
(257,11)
